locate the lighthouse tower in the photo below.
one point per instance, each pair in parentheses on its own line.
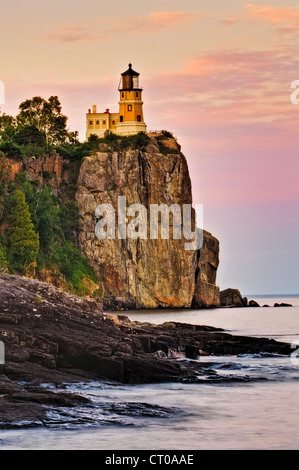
(130,104)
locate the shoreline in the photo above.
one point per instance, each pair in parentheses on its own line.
(55,338)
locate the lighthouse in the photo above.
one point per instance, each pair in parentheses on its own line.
(130,104)
(129,119)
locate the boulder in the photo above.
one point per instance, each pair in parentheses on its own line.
(253,303)
(232,298)
(283,304)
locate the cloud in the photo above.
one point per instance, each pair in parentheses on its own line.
(228,21)
(105,28)
(70,34)
(285,20)
(156,20)
(274,15)
(247,86)
(282,20)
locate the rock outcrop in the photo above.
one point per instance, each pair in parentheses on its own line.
(144,273)
(51,337)
(232,298)
(49,169)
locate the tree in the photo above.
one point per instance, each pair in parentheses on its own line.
(69,219)
(11,150)
(23,241)
(3,260)
(7,127)
(30,134)
(47,117)
(46,219)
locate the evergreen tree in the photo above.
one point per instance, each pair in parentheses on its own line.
(23,241)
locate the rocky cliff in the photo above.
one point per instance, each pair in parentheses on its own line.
(144,273)
(133,273)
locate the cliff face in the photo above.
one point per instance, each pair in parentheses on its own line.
(141,273)
(144,273)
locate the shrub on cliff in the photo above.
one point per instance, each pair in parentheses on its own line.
(11,150)
(23,241)
(75,268)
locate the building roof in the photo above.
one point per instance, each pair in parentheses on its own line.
(130,71)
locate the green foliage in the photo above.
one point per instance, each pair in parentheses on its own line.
(11,150)
(37,129)
(35,214)
(46,117)
(69,218)
(167,134)
(30,135)
(7,127)
(138,141)
(45,213)
(119,143)
(166,150)
(23,241)
(74,266)
(3,260)
(4,176)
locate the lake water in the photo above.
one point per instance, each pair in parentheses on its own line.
(254,407)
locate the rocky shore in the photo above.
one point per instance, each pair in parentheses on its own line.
(54,338)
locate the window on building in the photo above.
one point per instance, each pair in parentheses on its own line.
(136,94)
(129,107)
(122,95)
(121,118)
(97,123)
(139,118)
(90,123)
(104,122)
(113,123)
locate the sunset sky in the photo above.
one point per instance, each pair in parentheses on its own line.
(217,74)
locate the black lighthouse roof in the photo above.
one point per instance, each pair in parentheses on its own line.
(130,71)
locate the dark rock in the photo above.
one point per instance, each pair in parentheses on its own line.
(253,303)
(232,298)
(67,339)
(282,305)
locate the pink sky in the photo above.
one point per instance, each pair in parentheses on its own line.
(218,76)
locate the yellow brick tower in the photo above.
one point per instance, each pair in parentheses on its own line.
(129,120)
(130,104)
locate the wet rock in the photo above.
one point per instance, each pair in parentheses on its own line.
(67,339)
